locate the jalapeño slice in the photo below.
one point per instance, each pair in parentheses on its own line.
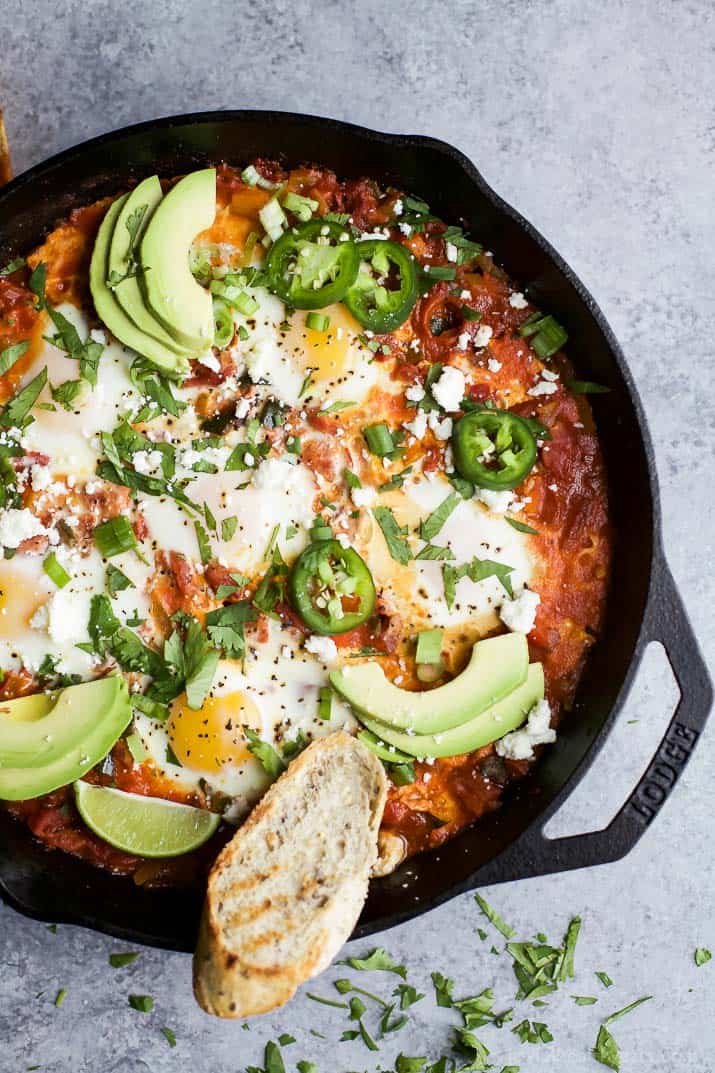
(331,588)
(312,266)
(493,449)
(385,291)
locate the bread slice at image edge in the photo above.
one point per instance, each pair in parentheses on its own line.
(284,895)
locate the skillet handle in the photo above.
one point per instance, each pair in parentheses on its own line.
(665,621)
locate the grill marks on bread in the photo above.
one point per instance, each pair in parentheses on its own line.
(285,893)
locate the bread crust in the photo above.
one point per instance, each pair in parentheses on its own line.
(285,893)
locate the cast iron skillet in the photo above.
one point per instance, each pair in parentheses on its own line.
(644,604)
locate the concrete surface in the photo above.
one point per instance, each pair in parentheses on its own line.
(596,121)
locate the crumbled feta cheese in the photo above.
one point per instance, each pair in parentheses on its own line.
(465,295)
(405,229)
(274,474)
(40,478)
(363,497)
(451,251)
(343,540)
(97,335)
(448,390)
(415,393)
(544,387)
(493,365)
(549,374)
(242,408)
(323,647)
(519,745)
(498,502)
(517,300)
(463,340)
(19,525)
(397,207)
(483,335)
(442,429)
(418,426)
(519,614)
(448,459)
(147,462)
(211,362)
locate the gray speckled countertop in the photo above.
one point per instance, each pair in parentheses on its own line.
(596,121)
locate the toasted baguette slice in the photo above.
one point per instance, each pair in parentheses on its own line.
(285,893)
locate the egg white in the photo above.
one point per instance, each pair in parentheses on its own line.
(282,682)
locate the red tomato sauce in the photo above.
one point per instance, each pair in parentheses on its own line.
(566,502)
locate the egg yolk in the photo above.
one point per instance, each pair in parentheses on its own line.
(212,737)
(326,353)
(19,600)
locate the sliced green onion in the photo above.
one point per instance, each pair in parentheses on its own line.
(325,700)
(439,272)
(586,387)
(273,219)
(351,479)
(115,536)
(302,207)
(379,439)
(429,646)
(321,532)
(293,445)
(245,303)
(223,324)
(252,177)
(548,335)
(136,748)
(56,571)
(470,314)
(318,322)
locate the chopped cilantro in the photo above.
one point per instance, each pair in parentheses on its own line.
(142,1003)
(264,752)
(493,917)
(394,535)
(377,960)
(169,1036)
(118,961)
(626,1009)
(606,1050)
(702,956)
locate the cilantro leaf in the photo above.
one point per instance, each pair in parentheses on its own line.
(67,338)
(271,762)
(493,917)
(443,986)
(11,354)
(225,627)
(606,1050)
(431,525)
(377,960)
(626,1009)
(702,956)
(18,407)
(118,961)
(475,570)
(394,535)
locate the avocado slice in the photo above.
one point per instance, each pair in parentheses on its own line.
(21,782)
(496,667)
(128,293)
(491,724)
(37,730)
(111,313)
(172,294)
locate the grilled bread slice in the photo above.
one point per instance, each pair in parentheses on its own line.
(285,893)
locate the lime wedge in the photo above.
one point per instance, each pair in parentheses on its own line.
(146,826)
